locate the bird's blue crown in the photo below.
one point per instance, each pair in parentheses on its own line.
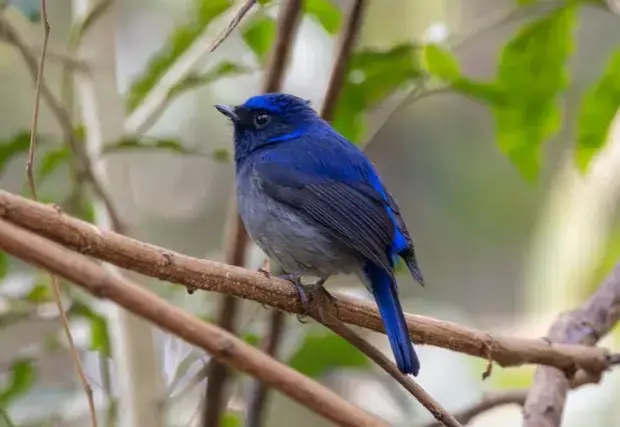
(269,119)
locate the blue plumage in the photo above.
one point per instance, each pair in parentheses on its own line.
(315,204)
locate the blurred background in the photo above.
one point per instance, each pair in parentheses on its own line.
(509,231)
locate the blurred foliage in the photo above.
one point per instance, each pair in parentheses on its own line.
(51,160)
(12,147)
(326,12)
(20,381)
(99,334)
(597,113)
(259,34)
(232,419)
(220,155)
(322,351)
(196,80)
(373,75)
(31,9)
(4,264)
(202,14)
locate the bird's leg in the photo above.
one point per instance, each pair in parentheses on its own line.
(295,279)
(319,288)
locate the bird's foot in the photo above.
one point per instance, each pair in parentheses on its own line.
(322,296)
(295,279)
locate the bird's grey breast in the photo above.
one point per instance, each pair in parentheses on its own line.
(296,242)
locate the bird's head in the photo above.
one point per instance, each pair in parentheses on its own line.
(268,119)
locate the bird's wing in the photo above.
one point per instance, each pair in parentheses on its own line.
(352,211)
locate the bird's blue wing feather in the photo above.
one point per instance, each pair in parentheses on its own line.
(351,211)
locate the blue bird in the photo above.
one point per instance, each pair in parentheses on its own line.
(313,202)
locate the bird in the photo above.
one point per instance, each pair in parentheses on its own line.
(315,204)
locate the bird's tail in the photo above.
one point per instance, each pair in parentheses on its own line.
(383,287)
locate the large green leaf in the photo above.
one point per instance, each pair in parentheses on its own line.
(182,37)
(597,113)
(323,351)
(19,383)
(532,72)
(259,34)
(12,147)
(373,75)
(232,419)
(326,12)
(99,334)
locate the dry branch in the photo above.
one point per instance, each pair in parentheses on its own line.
(221,344)
(195,273)
(507,397)
(586,325)
(216,396)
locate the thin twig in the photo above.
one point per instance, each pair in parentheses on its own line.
(508,397)
(29,172)
(234,22)
(195,273)
(215,396)
(586,325)
(83,162)
(222,345)
(339,70)
(321,301)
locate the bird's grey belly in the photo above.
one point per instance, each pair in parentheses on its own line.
(296,243)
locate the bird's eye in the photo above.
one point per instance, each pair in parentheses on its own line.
(261,120)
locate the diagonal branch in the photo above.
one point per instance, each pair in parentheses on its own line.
(216,396)
(195,273)
(345,49)
(223,345)
(586,325)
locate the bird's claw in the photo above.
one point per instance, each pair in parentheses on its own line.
(265,269)
(295,279)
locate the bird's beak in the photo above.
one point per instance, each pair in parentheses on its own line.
(228,111)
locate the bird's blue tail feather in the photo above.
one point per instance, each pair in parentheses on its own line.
(384,290)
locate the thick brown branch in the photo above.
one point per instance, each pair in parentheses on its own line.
(224,346)
(216,395)
(212,276)
(339,71)
(586,325)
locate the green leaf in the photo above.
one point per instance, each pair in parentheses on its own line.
(532,72)
(322,352)
(598,110)
(4,265)
(232,419)
(251,338)
(373,75)
(14,146)
(221,155)
(40,293)
(182,37)
(259,34)
(20,381)
(326,12)
(50,161)
(195,80)
(441,63)
(148,144)
(99,336)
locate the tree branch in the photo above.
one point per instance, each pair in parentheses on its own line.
(586,325)
(216,396)
(223,345)
(339,70)
(195,273)
(508,397)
